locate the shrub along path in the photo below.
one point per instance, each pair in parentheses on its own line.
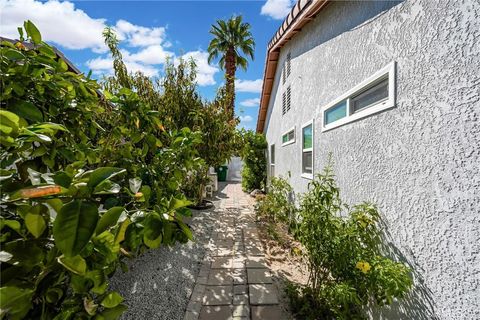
(234,281)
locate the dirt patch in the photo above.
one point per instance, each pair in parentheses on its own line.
(284,258)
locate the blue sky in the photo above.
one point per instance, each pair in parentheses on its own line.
(151,31)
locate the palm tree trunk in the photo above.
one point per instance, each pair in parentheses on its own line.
(230,68)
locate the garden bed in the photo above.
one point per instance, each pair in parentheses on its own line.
(283,257)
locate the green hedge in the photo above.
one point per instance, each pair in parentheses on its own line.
(254,172)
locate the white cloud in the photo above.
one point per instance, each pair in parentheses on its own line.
(255,102)
(254,86)
(99,65)
(69,27)
(205,71)
(138,36)
(59,22)
(277,9)
(154,54)
(104,65)
(246,119)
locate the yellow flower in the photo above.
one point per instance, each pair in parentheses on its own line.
(364,266)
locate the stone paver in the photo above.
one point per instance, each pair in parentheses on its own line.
(234,281)
(218,295)
(259,276)
(266,313)
(216,313)
(262,294)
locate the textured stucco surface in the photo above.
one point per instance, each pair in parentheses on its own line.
(419,161)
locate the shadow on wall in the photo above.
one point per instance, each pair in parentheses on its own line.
(418,303)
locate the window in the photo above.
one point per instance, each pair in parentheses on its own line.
(307,150)
(286,100)
(272,160)
(336,112)
(373,95)
(288,137)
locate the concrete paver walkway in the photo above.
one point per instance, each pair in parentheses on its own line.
(234,281)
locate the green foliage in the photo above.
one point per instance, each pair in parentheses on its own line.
(254,172)
(277,205)
(343,250)
(85,180)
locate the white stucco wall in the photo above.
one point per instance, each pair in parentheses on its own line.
(420,161)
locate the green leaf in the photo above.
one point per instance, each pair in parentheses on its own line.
(62,178)
(112,299)
(54,294)
(185,229)
(74,226)
(101,174)
(176,203)
(32,32)
(109,219)
(113,313)
(120,236)
(75,264)
(35,224)
(9,118)
(12,224)
(62,65)
(107,187)
(15,302)
(13,54)
(24,253)
(98,279)
(6,174)
(28,111)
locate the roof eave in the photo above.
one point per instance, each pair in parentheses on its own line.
(302,13)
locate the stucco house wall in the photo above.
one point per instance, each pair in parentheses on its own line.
(419,161)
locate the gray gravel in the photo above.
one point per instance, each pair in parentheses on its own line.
(159,283)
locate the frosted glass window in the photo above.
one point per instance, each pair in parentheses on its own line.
(336,112)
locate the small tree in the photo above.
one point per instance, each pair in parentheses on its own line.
(347,268)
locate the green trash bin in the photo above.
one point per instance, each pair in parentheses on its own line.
(222,173)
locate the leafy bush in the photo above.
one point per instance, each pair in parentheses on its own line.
(84,183)
(347,269)
(277,205)
(254,172)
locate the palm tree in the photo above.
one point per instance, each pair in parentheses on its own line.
(232,41)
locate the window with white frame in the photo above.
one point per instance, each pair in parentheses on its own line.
(286,100)
(372,95)
(272,160)
(307,150)
(288,137)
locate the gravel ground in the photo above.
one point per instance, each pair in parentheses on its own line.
(159,283)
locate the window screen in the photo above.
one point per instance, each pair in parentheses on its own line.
(371,96)
(307,161)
